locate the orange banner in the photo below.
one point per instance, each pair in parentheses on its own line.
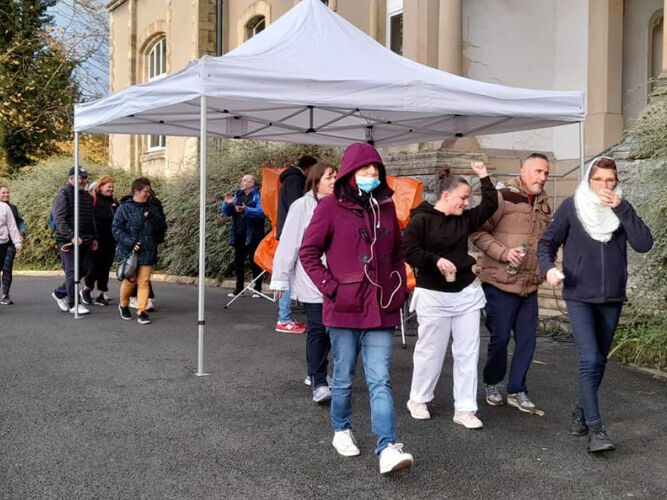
(407,195)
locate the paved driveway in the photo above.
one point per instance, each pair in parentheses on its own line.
(105,408)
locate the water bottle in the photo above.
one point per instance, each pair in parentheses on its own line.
(511,268)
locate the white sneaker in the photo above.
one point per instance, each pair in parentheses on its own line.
(345,444)
(150,306)
(393,458)
(62,303)
(322,394)
(308,382)
(467,419)
(82,310)
(133,302)
(417,410)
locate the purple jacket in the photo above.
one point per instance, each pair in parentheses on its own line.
(343,227)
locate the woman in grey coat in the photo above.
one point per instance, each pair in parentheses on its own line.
(288,274)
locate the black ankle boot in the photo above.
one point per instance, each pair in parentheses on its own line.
(578,425)
(599,441)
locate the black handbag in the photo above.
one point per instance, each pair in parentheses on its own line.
(127,266)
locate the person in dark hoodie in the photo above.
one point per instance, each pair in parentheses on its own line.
(363,286)
(62,209)
(292,185)
(448,297)
(594,227)
(104,208)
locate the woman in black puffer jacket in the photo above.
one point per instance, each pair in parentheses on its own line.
(139,226)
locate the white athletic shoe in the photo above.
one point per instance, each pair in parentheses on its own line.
(393,458)
(345,444)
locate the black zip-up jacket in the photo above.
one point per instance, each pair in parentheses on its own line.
(431,234)
(293,181)
(595,272)
(104,210)
(63,213)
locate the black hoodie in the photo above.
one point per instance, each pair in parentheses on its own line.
(293,181)
(431,234)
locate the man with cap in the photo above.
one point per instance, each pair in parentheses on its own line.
(62,209)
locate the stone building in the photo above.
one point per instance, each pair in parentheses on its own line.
(610,48)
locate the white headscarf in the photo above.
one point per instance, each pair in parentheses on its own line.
(599,221)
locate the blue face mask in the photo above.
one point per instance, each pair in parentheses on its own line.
(367,183)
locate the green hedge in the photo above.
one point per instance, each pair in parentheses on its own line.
(227,162)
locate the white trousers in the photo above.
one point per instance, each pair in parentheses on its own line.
(433,337)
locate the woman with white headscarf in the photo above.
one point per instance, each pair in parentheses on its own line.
(594,227)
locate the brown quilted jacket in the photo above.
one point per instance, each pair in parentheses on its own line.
(515,222)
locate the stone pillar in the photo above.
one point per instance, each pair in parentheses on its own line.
(663,74)
(604,122)
(449,36)
(420,31)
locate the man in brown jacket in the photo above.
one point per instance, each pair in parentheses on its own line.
(510,279)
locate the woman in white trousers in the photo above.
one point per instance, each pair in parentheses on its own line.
(448,297)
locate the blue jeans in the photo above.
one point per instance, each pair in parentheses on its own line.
(317,345)
(284,307)
(507,312)
(375,347)
(593,326)
(66,288)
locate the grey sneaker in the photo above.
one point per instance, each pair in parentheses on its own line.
(520,400)
(494,396)
(322,394)
(599,441)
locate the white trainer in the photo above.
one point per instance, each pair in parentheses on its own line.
(467,419)
(393,458)
(62,302)
(150,306)
(417,410)
(133,303)
(82,310)
(345,444)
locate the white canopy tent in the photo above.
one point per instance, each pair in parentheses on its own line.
(312,77)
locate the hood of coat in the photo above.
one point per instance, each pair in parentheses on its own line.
(290,172)
(355,156)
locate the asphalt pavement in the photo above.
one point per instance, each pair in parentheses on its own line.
(105,408)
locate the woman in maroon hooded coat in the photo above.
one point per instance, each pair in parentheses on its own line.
(363,284)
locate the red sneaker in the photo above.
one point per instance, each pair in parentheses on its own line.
(290,326)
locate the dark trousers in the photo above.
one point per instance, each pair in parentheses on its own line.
(66,288)
(7,267)
(241,253)
(317,345)
(507,312)
(593,326)
(102,260)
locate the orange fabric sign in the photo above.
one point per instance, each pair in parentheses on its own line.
(407,195)
(270,191)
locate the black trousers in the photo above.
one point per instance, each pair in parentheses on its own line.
(7,268)
(241,253)
(102,258)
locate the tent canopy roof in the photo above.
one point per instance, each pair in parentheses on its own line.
(312,77)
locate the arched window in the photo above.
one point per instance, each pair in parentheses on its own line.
(156,67)
(254,26)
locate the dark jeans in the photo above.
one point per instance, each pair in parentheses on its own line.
(507,312)
(593,326)
(317,345)
(101,263)
(66,288)
(7,268)
(241,253)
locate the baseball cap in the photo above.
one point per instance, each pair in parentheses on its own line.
(82,172)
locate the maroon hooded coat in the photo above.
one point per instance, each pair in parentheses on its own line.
(343,228)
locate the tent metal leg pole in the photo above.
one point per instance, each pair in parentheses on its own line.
(75,247)
(582,159)
(202,238)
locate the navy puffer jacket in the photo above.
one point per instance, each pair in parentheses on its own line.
(127,230)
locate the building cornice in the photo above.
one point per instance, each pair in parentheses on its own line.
(113,4)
